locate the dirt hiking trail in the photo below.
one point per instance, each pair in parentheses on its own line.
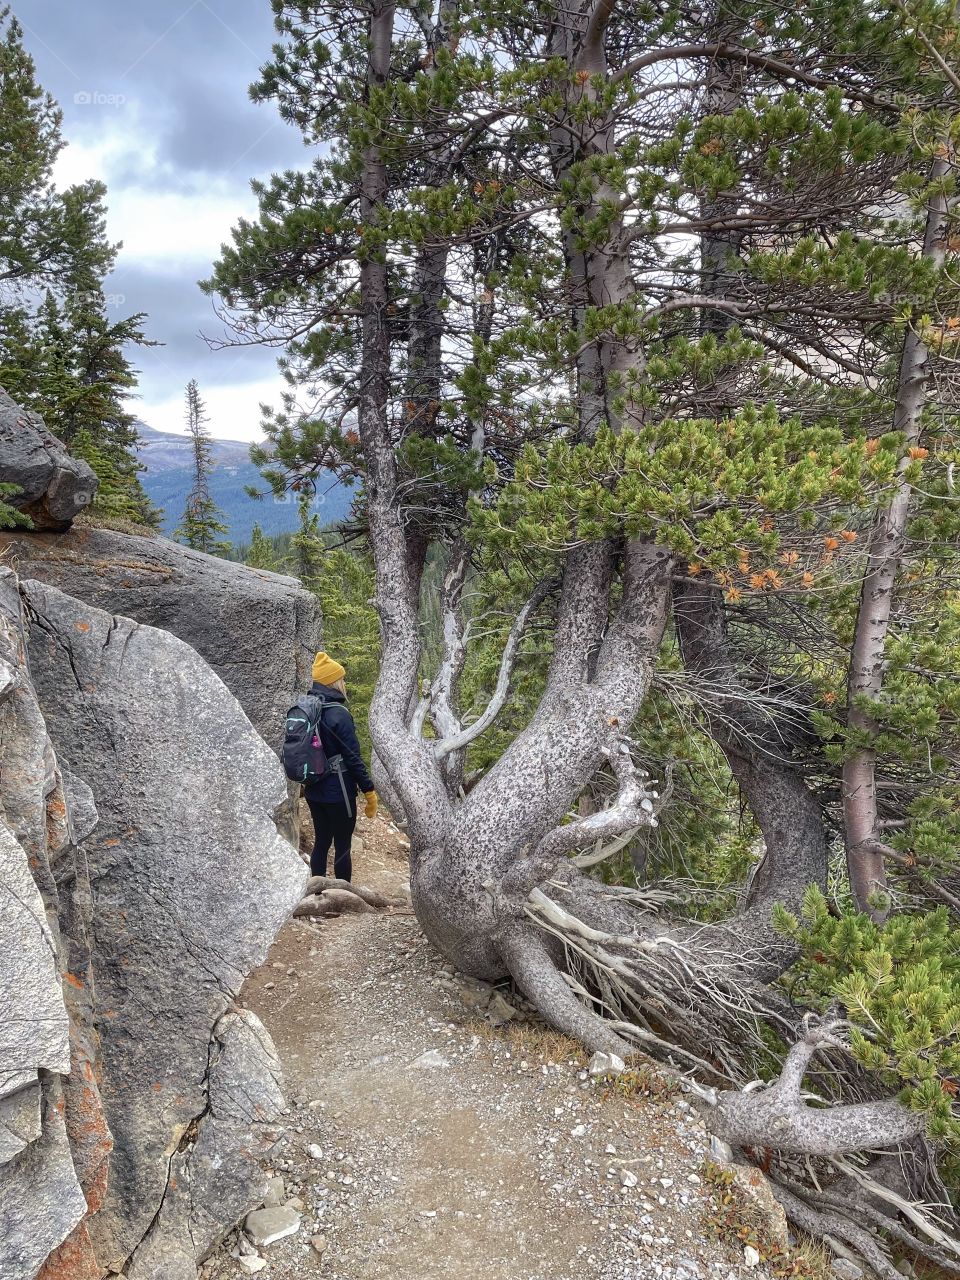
(426,1144)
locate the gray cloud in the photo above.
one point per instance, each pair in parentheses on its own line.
(173,79)
(188,64)
(178,314)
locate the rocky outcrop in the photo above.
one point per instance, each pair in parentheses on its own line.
(259,631)
(141,878)
(54,487)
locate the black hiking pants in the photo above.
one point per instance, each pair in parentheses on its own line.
(332,823)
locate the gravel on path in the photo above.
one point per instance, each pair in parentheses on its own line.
(425,1144)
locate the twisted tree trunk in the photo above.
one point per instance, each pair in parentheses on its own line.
(492,883)
(865,854)
(754,735)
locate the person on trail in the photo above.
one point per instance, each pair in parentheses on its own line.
(332,799)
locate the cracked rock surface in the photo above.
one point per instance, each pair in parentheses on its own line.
(142,876)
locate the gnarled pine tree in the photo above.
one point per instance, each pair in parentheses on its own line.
(647,313)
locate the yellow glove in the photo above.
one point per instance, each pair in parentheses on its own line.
(372,804)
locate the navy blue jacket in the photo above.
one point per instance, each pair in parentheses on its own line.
(338,734)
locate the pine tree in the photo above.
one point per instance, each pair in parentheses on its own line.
(202,520)
(68,363)
(45,237)
(306,545)
(59,353)
(260,554)
(11,517)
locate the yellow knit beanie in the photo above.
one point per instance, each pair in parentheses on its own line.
(326,671)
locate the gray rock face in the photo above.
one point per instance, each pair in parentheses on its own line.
(55,487)
(34,1030)
(40,1200)
(190,878)
(259,631)
(214,1179)
(19,1120)
(141,878)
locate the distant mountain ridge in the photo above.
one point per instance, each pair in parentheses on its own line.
(166,451)
(168,478)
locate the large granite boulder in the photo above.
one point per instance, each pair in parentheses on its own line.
(259,631)
(54,487)
(142,877)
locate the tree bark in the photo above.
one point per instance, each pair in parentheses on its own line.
(398,562)
(778,1116)
(865,680)
(754,739)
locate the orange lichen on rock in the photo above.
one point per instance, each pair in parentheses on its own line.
(73,1260)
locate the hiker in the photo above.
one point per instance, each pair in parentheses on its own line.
(332,799)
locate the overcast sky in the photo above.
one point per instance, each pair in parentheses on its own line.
(155,102)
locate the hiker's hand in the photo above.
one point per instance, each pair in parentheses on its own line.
(372,804)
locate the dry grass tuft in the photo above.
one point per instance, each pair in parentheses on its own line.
(534,1041)
(116,524)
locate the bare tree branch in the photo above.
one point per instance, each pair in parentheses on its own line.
(462,737)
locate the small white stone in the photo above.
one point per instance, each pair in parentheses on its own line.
(720,1151)
(751,1256)
(314,1152)
(276,1192)
(579,1131)
(244,1248)
(265,1226)
(431,1060)
(605,1064)
(627,1179)
(252,1265)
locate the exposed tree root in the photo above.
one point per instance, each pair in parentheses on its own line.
(694,996)
(779,1117)
(838,1200)
(538,977)
(836,1229)
(604,968)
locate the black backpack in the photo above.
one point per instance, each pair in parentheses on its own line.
(303,756)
